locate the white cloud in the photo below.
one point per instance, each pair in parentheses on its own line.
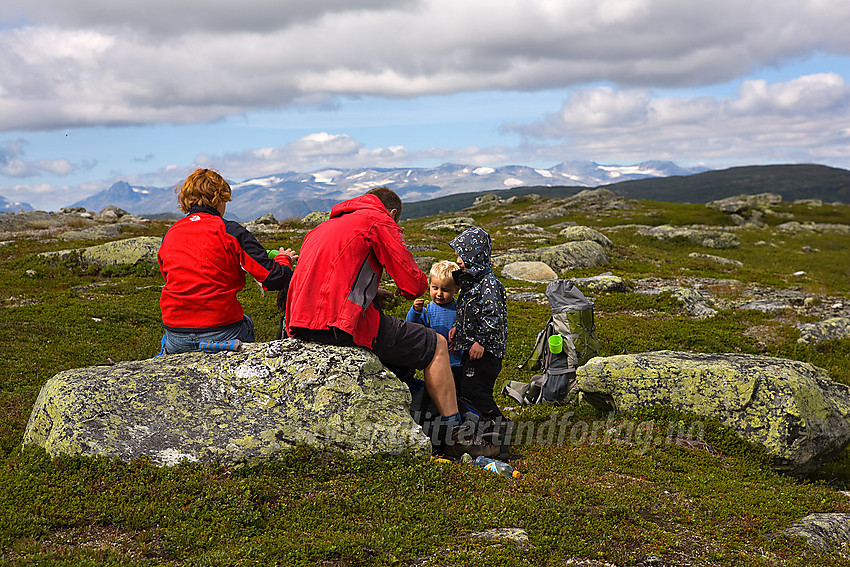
(309,153)
(806,118)
(13,165)
(87,63)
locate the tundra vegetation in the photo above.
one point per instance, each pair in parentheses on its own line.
(712,501)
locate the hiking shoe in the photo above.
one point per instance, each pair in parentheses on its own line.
(466,438)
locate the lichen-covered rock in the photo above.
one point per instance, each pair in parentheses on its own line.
(487,198)
(229,407)
(118,252)
(454,224)
(560,257)
(316,218)
(577,233)
(693,301)
(741,203)
(266,224)
(828,532)
(110,213)
(826,330)
(587,200)
(606,282)
(530,229)
(100,232)
(818,227)
(791,408)
(717,259)
(707,238)
(529,272)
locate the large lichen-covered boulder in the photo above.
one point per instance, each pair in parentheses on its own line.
(229,407)
(791,408)
(584,253)
(116,253)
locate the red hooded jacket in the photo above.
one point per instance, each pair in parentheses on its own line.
(340,266)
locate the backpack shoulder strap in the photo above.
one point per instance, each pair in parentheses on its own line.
(534,360)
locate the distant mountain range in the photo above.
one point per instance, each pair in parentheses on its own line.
(7,207)
(292,194)
(448,188)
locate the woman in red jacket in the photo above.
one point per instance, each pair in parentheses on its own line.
(203,259)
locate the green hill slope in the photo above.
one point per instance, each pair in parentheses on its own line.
(806,181)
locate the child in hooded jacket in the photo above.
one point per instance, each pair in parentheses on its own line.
(481,327)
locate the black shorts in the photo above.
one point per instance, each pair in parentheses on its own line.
(398,343)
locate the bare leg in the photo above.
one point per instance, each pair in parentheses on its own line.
(439,381)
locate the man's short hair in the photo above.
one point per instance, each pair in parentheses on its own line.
(202,187)
(388,197)
(442,270)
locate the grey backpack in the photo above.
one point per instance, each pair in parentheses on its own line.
(572,321)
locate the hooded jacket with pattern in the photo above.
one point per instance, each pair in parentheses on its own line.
(203,259)
(340,266)
(482,312)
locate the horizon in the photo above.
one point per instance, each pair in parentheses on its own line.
(147,94)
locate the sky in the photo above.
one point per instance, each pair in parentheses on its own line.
(95,92)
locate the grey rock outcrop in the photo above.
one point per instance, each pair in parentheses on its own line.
(110,213)
(529,272)
(97,232)
(827,532)
(118,252)
(819,227)
(266,224)
(791,408)
(716,259)
(826,330)
(316,218)
(577,233)
(488,198)
(454,224)
(560,257)
(606,282)
(707,238)
(740,203)
(586,200)
(693,301)
(530,229)
(229,407)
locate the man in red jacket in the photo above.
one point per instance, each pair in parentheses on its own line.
(334,290)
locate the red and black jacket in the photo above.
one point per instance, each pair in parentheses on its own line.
(203,259)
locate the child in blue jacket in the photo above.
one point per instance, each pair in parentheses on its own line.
(441,312)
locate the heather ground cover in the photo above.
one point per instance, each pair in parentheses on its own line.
(590,499)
